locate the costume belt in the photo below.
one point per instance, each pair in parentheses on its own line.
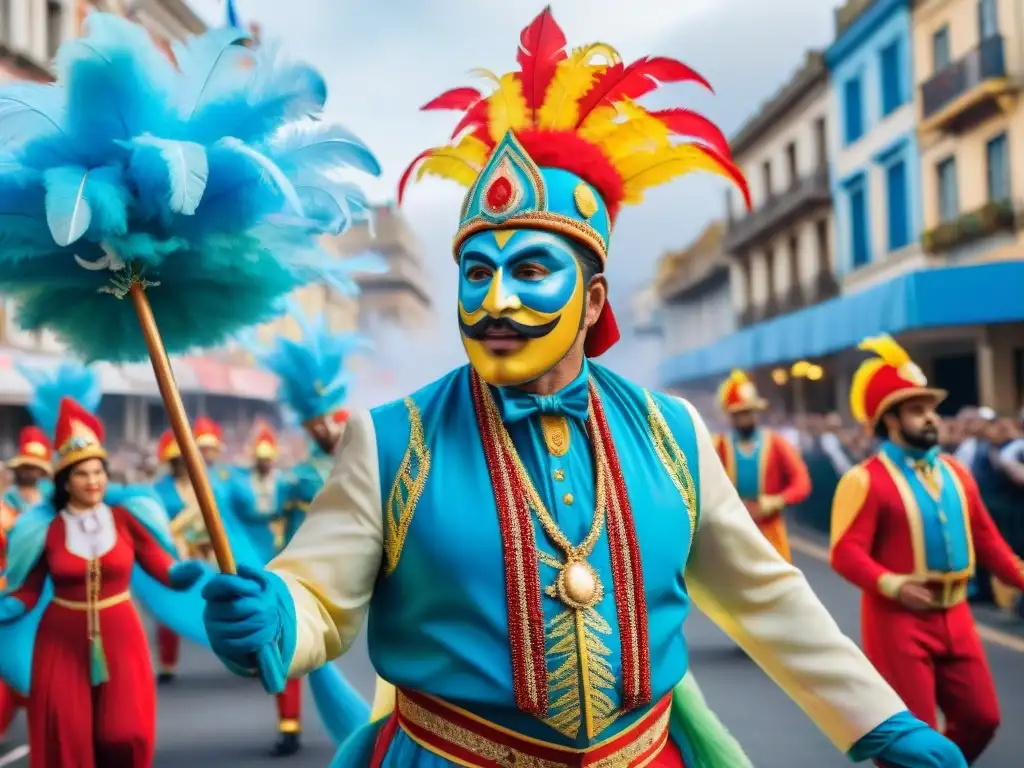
(947,593)
(468,740)
(98,605)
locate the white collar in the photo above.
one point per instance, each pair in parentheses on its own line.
(91,533)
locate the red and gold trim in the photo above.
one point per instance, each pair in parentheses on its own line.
(522,577)
(627,571)
(522,574)
(468,740)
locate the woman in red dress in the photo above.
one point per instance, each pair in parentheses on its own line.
(92,701)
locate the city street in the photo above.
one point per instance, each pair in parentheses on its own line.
(210,718)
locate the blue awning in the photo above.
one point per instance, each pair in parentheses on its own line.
(930,298)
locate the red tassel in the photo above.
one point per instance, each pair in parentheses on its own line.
(603,334)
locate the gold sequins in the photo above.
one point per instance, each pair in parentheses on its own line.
(555,429)
(406,489)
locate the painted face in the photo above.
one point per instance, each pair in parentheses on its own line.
(520,303)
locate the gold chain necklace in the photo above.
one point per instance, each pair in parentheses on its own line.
(577,584)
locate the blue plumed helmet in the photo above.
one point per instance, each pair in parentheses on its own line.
(312,371)
(202,178)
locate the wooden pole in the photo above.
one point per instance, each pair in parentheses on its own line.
(194,463)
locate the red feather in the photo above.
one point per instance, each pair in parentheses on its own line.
(404,180)
(541,47)
(731,169)
(685,122)
(459,99)
(638,79)
(475,118)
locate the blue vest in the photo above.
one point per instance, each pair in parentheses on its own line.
(438,619)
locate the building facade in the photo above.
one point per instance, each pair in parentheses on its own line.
(875,164)
(694,298)
(969,66)
(781,254)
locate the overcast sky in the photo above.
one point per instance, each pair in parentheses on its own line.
(383,59)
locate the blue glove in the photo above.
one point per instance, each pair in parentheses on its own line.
(185,575)
(903,741)
(250,621)
(11,609)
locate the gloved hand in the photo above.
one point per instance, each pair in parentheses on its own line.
(11,609)
(250,621)
(903,741)
(185,575)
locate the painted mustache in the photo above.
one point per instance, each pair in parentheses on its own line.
(479,330)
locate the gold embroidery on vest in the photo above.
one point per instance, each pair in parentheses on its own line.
(673,459)
(405,490)
(556,433)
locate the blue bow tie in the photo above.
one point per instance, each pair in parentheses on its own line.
(573,401)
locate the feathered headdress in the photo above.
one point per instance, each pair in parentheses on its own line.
(50,386)
(886,380)
(202,175)
(313,377)
(561,144)
(738,393)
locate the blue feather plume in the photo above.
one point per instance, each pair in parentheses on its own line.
(312,371)
(51,385)
(199,178)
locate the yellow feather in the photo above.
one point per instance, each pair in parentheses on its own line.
(506,108)
(643,171)
(461,163)
(573,78)
(637,133)
(599,123)
(859,387)
(885,347)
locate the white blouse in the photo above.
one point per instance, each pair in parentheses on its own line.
(90,534)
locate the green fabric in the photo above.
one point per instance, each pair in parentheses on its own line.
(710,741)
(98,672)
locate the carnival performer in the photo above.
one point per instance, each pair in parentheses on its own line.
(92,700)
(31,467)
(189,535)
(269,490)
(313,384)
(31,470)
(525,595)
(768,473)
(908,526)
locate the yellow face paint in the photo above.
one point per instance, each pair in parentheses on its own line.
(534,281)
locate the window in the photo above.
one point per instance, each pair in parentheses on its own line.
(794,172)
(988,19)
(54,27)
(821,142)
(940,49)
(896,192)
(892,78)
(859,249)
(852,110)
(949,197)
(766,176)
(997,156)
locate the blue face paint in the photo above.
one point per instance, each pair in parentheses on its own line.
(539,269)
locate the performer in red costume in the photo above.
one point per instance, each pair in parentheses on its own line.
(32,467)
(908,525)
(768,473)
(92,701)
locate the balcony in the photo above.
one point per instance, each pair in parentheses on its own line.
(780,211)
(967,91)
(990,219)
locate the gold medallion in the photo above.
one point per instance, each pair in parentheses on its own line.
(556,433)
(578,585)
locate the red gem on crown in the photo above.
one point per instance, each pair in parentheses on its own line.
(499,194)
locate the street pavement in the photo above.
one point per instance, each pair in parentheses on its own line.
(210,718)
